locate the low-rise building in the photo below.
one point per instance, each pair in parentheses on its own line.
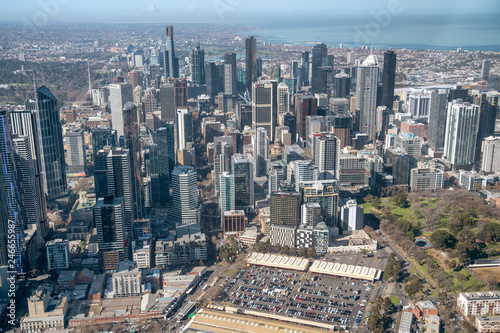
(486,303)
(127,281)
(45,313)
(487,324)
(57,254)
(406,322)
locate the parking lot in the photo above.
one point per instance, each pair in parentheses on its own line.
(334,300)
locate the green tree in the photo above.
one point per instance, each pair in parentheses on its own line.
(401,200)
(302,252)
(311,253)
(414,285)
(442,239)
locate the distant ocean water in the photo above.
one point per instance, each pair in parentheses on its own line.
(475,37)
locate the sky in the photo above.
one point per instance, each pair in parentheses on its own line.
(243,11)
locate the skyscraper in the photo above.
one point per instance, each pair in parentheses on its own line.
(250,62)
(264,106)
(485,71)
(50,142)
(461,132)
(304,107)
(101,137)
(110,222)
(318,75)
(326,194)
(119,95)
(165,139)
(76,157)
(242,166)
(227,196)
(327,156)
(171,65)
(437,119)
(419,104)
(131,140)
(342,84)
(12,196)
(32,208)
(214,75)
(167,101)
(283,101)
(261,152)
(198,66)
(285,208)
(133,77)
(366,96)
(230,74)
(101,172)
(489,105)
(184,195)
(120,178)
(184,128)
(388,79)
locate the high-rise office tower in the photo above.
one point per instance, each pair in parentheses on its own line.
(185,128)
(341,127)
(382,119)
(131,141)
(76,157)
(198,66)
(290,122)
(411,144)
(285,208)
(250,62)
(102,137)
(388,79)
(304,63)
(23,124)
(490,151)
(457,92)
(352,216)
(101,172)
(261,152)
(318,75)
(366,96)
(242,166)
(339,106)
(485,71)
(326,194)
(327,155)
(398,161)
(283,100)
(351,58)
(437,118)
(173,96)
(419,104)
(305,170)
(110,221)
(171,65)
(264,106)
(311,214)
(50,142)
(214,78)
(165,139)
(150,101)
(461,132)
(133,77)
(120,179)
(32,209)
(227,196)
(119,95)
(222,161)
(304,107)
(342,84)
(184,195)
(230,74)
(167,101)
(488,112)
(15,221)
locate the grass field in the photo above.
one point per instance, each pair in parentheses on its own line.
(485,271)
(395,300)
